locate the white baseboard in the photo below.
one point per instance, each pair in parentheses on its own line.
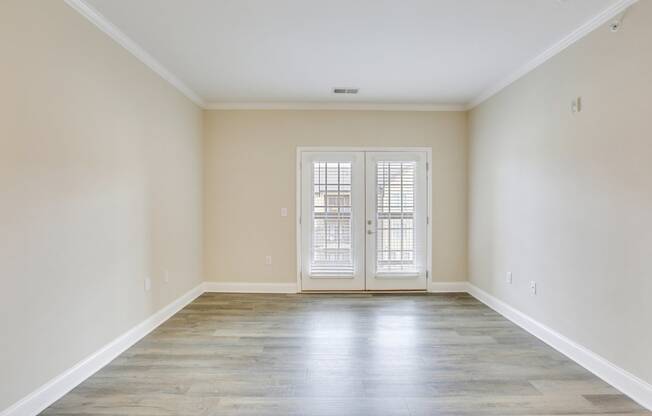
(447,287)
(236,287)
(37,401)
(637,389)
(56,388)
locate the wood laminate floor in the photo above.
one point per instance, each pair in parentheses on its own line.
(243,354)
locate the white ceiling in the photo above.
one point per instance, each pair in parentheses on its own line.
(416,52)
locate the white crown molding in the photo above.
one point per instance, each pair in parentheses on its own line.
(632,386)
(117,35)
(588,27)
(53,390)
(126,42)
(334,106)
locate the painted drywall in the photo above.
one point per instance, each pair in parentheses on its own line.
(250,174)
(100,187)
(565,199)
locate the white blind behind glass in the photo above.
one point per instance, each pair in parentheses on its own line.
(396,244)
(332,239)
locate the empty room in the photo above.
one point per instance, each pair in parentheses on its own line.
(325,207)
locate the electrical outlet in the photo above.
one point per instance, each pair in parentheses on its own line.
(284,212)
(533,287)
(268,260)
(508,278)
(148,284)
(166,276)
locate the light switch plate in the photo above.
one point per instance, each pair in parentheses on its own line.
(284,212)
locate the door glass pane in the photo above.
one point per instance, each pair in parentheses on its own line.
(395,217)
(332,240)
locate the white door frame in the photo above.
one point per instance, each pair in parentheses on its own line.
(427,150)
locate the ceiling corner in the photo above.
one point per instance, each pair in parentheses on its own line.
(589,26)
(97,19)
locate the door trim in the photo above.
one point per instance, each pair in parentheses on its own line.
(427,150)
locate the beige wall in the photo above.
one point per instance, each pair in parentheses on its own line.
(100,186)
(566,200)
(250,174)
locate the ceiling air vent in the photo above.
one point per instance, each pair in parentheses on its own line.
(345,90)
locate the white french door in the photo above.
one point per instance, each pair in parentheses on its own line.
(332,221)
(363,220)
(396,221)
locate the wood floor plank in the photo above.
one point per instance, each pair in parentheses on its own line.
(336,354)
